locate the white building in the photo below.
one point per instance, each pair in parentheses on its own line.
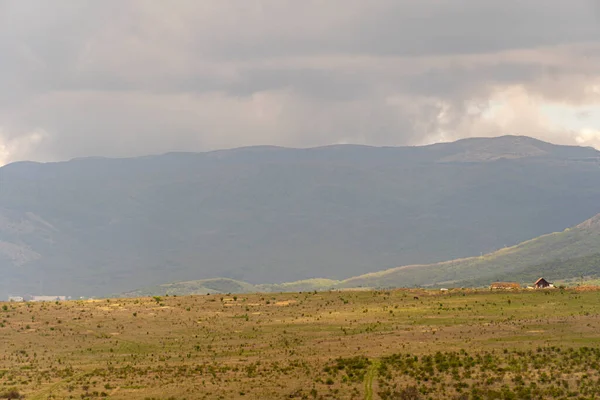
(48,298)
(15,298)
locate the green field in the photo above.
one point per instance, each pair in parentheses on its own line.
(400,344)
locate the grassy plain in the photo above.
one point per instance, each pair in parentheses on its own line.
(399,344)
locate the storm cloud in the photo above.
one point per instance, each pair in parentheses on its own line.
(127,77)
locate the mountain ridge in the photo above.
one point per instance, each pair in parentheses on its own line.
(95,226)
(516,141)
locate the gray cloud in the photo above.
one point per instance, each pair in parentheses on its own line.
(133,77)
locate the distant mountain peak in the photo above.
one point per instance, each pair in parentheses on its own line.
(482,149)
(504,138)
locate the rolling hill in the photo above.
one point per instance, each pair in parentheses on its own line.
(572,253)
(95,226)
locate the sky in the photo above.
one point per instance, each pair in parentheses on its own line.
(123,78)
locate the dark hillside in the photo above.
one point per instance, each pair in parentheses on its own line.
(266,214)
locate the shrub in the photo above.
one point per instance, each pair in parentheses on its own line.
(11,394)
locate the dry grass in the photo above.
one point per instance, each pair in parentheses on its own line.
(336,345)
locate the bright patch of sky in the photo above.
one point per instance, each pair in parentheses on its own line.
(583,121)
(570,117)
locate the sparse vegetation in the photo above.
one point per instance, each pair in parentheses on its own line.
(398,344)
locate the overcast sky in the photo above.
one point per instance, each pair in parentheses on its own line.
(127,77)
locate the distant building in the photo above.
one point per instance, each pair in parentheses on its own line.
(541,284)
(48,298)
(15,298)
(505,285)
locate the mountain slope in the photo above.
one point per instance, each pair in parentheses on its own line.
(570,254)
(572,269)
(203,286)
(559,255)
(265,214)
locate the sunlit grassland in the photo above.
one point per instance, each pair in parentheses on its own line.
(335,345)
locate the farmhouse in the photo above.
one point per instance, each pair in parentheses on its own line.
(505,285)
(541,284)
